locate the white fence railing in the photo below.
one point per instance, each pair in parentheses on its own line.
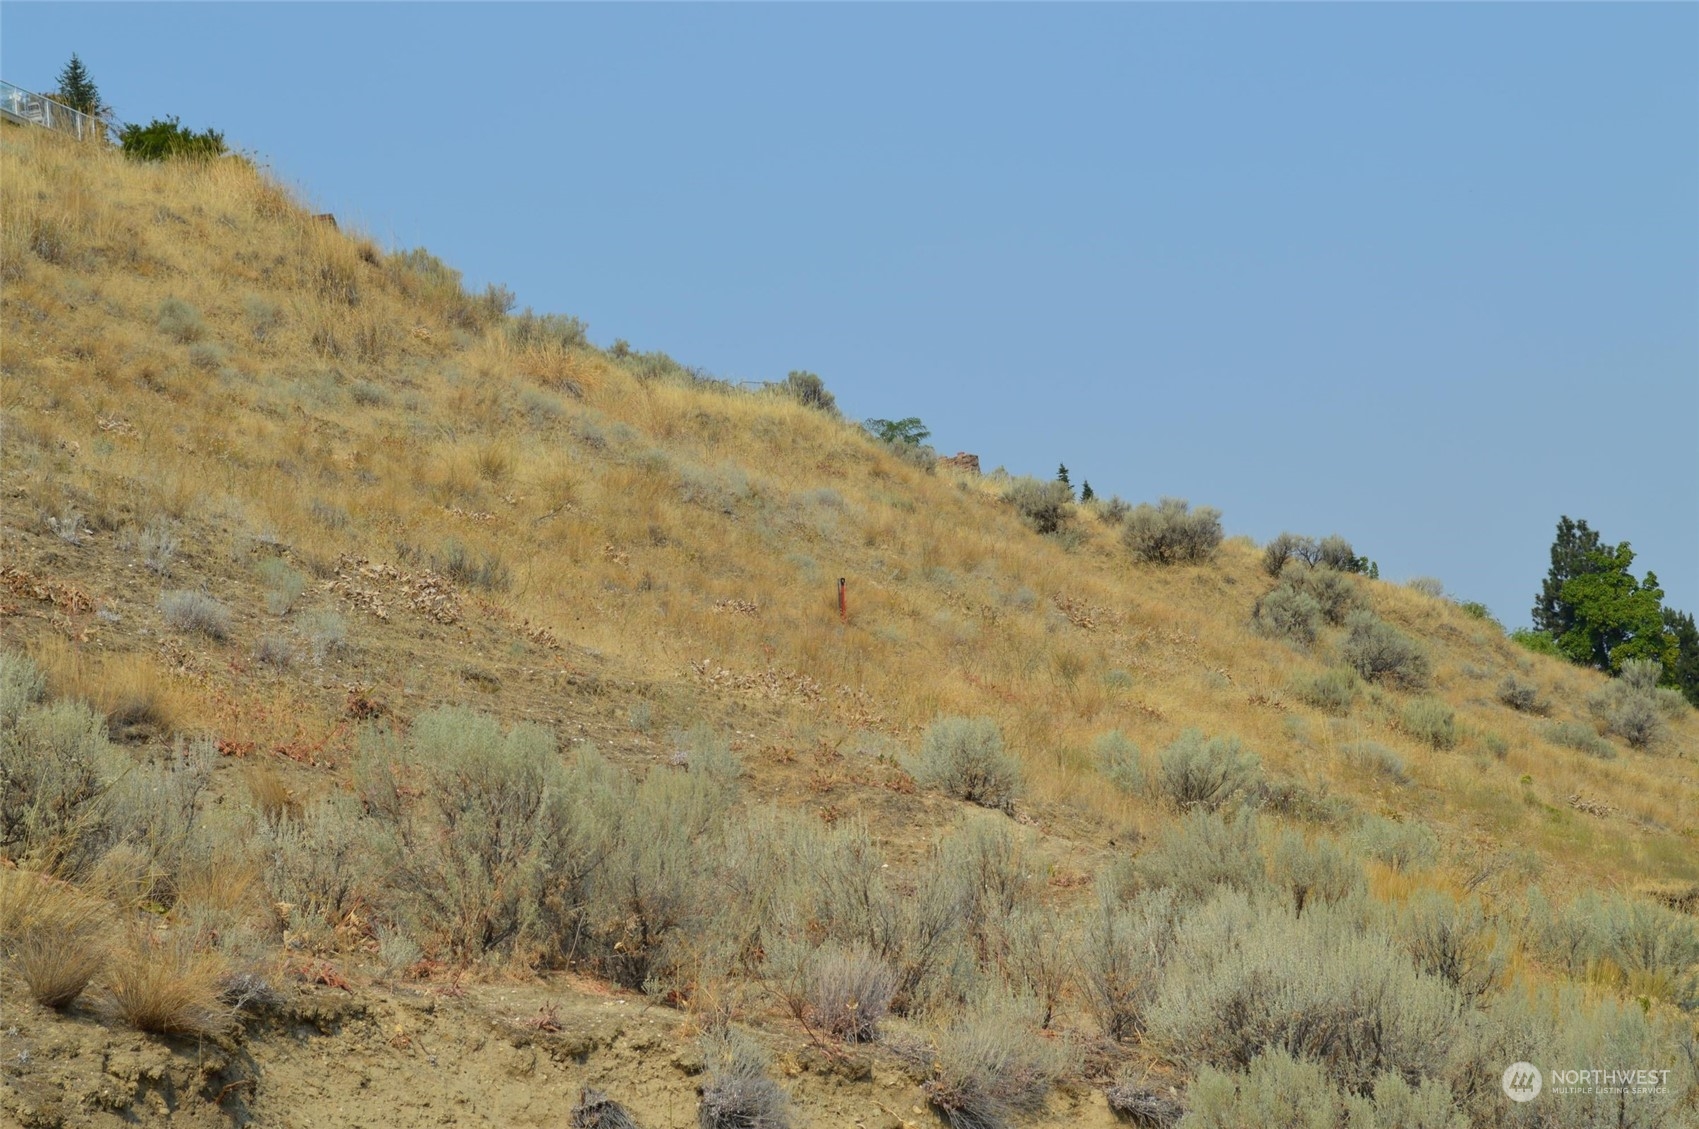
(20,105)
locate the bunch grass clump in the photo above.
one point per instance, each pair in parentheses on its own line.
(170,985)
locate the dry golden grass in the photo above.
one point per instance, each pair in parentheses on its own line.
(169,985)
(357,408)
(57,965)
(128,689)
(52,933)
(271,795)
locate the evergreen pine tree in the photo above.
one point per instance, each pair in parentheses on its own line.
(77,90)
(1685,671)
(1062,475)
(1086,492)
(1574,553)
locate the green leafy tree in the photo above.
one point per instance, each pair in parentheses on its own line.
(1613,617)
(159,140)
(1571,556)
(910,431)
(1684,672)
(78,91)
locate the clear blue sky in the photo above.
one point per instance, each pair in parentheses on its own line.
(1426,275)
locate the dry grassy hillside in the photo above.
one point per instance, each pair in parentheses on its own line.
(271,495)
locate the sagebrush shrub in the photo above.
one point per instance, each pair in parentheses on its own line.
(1279,1090)
(1628,706)
(1379,652)
(1430,721)
(1171,532)
(1574,735)
(489,838)
(1335,593)
(1332,691)
(1313,871)
(1209,774)
(283,585)
(992,1066)
(1452,939)
(1287,547)
(1249,975)
(1521,696)
(1406,845)
(191,611)
(1377,760)
(1046,506)
(1655,945)
(1336,552)
(1120,761)
(810,391)
(56,767)
(1204,852)
(739,1091)
(1426,585)
(848,992)
(965,758)
(180,321)
(1122,956)
(1288,614)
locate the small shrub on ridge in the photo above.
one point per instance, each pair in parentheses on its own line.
(1171,532)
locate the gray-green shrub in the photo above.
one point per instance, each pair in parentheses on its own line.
(1045,505)
(1120,762)
(1430,721)
(1313,871)
(1202,852)
(1249,975)
(180,321)
(1401,845)
(1286,613)
(965,758)
(1336,594)
(1379,652)
(1122,956)
(488,838)
(1376,760)
(1524,697)
(1628,706)
(1582,738)
(992,1066)
(1332,691)
(1193,772)
(810,391)
(1279,1090)
(739,1091)
(1657,945)
(1171,532)
(283,585)
(848,991)
(1336,552)
(56,767)
(188,610)
(1452,939)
